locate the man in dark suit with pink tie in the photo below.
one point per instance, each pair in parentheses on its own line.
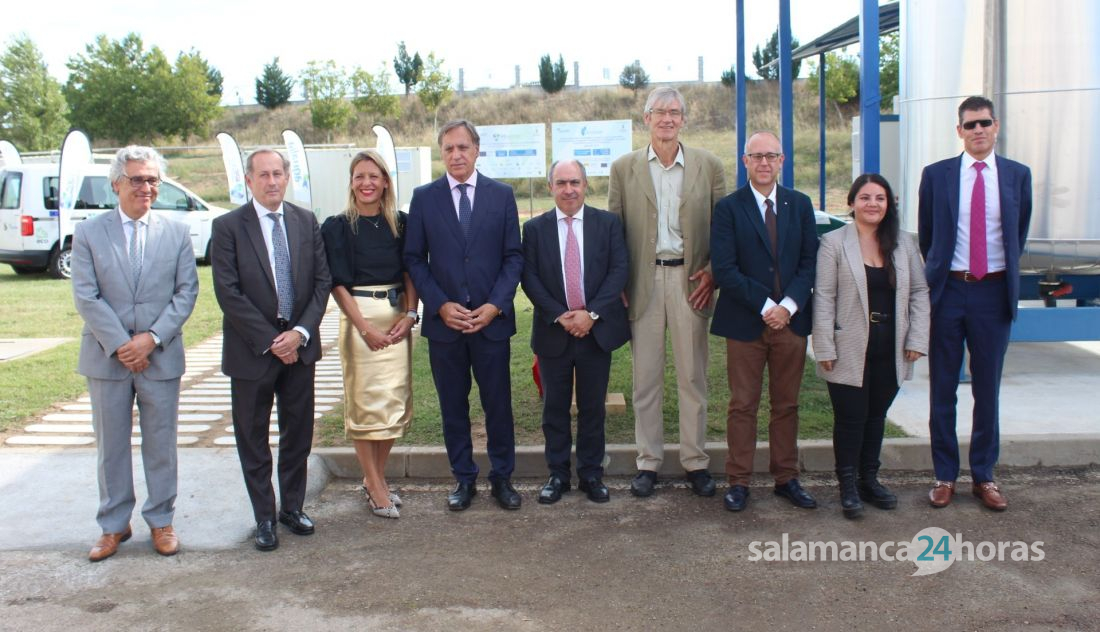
(974,211)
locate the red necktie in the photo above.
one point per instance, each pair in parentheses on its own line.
(574,293)
(979,258)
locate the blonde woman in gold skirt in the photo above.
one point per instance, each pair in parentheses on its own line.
(378,311)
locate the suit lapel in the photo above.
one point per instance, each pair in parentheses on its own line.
(643,177)
(953,169)
(445,205)
(252,228)
(294,231)
(1010,218)
(153,234)
(478,211)
(115,235)
(553,247)
(749,208)
(591,243)
(783,219)
(854,256)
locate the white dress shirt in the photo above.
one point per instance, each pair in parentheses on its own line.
(456,194)
(267,227)
(994,230)
(128,230)
(578,230)
(668,183)
(787,301)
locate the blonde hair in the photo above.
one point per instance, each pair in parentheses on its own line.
(388,200)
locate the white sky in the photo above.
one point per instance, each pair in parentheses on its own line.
(239,37)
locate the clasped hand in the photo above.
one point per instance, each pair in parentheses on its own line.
(468,321)
(577,322)
(286,345)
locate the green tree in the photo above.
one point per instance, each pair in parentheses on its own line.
(888,63)
(114,89)
(326,87)
(273,87)
(214,81)
(729,77)
(32,109)
(634,78)
(841,79)
(435,87)
(188,104)
(410,70)
(370,93)
(761,57)
(552,76)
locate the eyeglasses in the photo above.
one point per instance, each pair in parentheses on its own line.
(770,157)
(139,181)
(969,125)
(672,113)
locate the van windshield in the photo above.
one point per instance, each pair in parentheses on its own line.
(95,193)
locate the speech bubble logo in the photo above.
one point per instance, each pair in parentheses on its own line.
(932,550)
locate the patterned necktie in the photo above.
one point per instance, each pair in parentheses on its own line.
(284,283)
(574,293)
(773,235)
(464,210)
(135,251)
(979,258)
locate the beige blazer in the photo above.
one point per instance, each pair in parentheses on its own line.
(841,320)
(632,197)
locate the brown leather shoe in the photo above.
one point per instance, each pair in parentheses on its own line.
(990,495)
(942,493)
(165,541)
(107,545)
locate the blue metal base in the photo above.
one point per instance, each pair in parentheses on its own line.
(1056,324)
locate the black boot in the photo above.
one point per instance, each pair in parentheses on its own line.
(849,497)
(874,492)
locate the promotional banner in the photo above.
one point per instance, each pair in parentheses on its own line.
(76,155)
(10,154)
(595,144)
(513,151)
(299,167)
(234,168)
(385,147)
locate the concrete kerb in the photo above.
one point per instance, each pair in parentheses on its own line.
(907,454)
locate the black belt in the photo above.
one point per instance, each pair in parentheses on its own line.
(283,324)
(879,317)
(390,293)
(670,263)
(970,278)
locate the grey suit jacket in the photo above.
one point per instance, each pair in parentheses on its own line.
(841,321)
(631,196)
(113,310)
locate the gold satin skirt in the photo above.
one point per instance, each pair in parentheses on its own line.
(377,384)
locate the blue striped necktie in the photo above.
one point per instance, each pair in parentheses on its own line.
(464,210)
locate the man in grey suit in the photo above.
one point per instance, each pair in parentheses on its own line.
(134,284)
(271,280)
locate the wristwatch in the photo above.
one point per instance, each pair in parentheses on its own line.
(593,315)
(412,313)
(156,338)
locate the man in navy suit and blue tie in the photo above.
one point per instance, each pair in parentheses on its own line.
(574,272)
(463,252)
(974,212)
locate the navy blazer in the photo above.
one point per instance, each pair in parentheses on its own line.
(605,272)
(446,268)
(741,260)
(938,221)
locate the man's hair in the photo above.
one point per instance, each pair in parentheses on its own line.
(265,150)
(550,176)
(455,124)
(135,153)
(662,94)
(974,104)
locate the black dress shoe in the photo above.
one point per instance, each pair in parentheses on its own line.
(642,485)
(266,540)
(736,498)
(506,495)
(702,484)
(793,492)
(595,489)
(297,521)
(459,499)
(551,492)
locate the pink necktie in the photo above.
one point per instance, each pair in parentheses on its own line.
(574,293)
(979,259)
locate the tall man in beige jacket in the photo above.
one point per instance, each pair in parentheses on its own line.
(665,194)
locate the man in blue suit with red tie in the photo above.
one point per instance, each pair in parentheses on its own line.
(463,253)
(974,211)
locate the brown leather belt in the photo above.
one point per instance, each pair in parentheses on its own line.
(970,278)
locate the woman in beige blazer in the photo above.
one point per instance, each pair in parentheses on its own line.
(871,322)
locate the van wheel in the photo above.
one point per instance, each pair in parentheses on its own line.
(61,263)
(28,269)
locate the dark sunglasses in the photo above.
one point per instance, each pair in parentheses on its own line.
(972,124)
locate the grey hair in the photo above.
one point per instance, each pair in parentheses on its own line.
(762,132)
(455,124)
(265,150)
(135,153)
(584,173)
(662,94)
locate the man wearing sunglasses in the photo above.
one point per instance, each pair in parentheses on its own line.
(973,216)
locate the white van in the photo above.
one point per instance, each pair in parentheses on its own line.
(29,223)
